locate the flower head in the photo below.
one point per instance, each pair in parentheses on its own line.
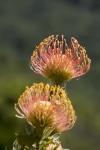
(43,106)
(54,59)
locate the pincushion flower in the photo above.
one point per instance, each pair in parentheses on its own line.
(60,62)
(44,106)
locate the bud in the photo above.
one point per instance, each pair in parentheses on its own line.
(45,106)
(60,62)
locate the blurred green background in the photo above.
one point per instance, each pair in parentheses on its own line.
(23,24)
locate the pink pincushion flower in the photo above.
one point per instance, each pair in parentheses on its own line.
(43,106)
(54,59)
